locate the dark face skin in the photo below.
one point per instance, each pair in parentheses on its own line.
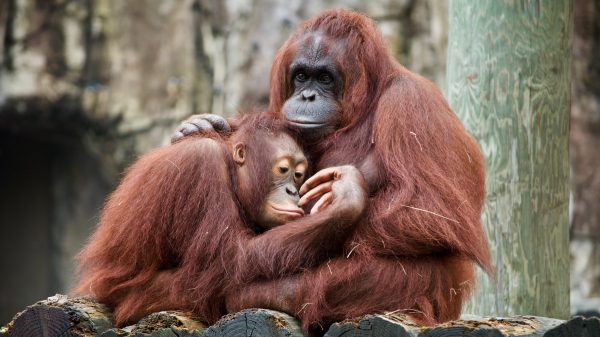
(314,108)
(288,170)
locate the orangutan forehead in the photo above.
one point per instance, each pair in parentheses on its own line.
(315,46)
(285,142)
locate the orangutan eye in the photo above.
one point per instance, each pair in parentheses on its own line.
(325,78)
(299,175)
(283,169)
(301,76)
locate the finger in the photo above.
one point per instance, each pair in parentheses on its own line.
(218,123)
(176,136)
(202,124)
(188,129)
(315,193)
(325,201)
(320,177)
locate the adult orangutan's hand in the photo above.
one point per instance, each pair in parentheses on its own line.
(200,124)
(341,188)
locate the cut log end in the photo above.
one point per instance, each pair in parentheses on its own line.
(61,316)
(255,322)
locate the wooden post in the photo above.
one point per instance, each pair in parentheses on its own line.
(509,81)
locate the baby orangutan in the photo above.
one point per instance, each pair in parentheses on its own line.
(162,247)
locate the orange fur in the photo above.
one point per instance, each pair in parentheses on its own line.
(416,248)
(176,235)
(169,231)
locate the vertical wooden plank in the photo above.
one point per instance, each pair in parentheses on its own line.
(509,80)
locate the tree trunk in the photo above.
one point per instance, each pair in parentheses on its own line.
(509,72)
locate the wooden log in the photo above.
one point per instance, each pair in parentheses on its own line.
(592,326)
(396,325)
(161,324)
(61,316)
(255,322)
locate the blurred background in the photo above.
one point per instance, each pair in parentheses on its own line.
(86,86)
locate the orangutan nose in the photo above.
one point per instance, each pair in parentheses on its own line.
(291,190)
(309,95)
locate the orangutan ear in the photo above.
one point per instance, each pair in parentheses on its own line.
(239,153)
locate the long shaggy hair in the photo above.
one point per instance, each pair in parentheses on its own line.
(168,233)
(416,247)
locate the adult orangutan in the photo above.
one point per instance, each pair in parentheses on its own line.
(160,247)
(415,247)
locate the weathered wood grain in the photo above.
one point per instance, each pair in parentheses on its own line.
(61,316)
(509,77)
(255,322)
(161,324)
(393,325)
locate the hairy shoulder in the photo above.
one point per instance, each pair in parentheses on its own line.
(191,158)
(200,145)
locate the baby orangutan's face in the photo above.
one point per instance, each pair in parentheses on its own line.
(288,170)
(287,175)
